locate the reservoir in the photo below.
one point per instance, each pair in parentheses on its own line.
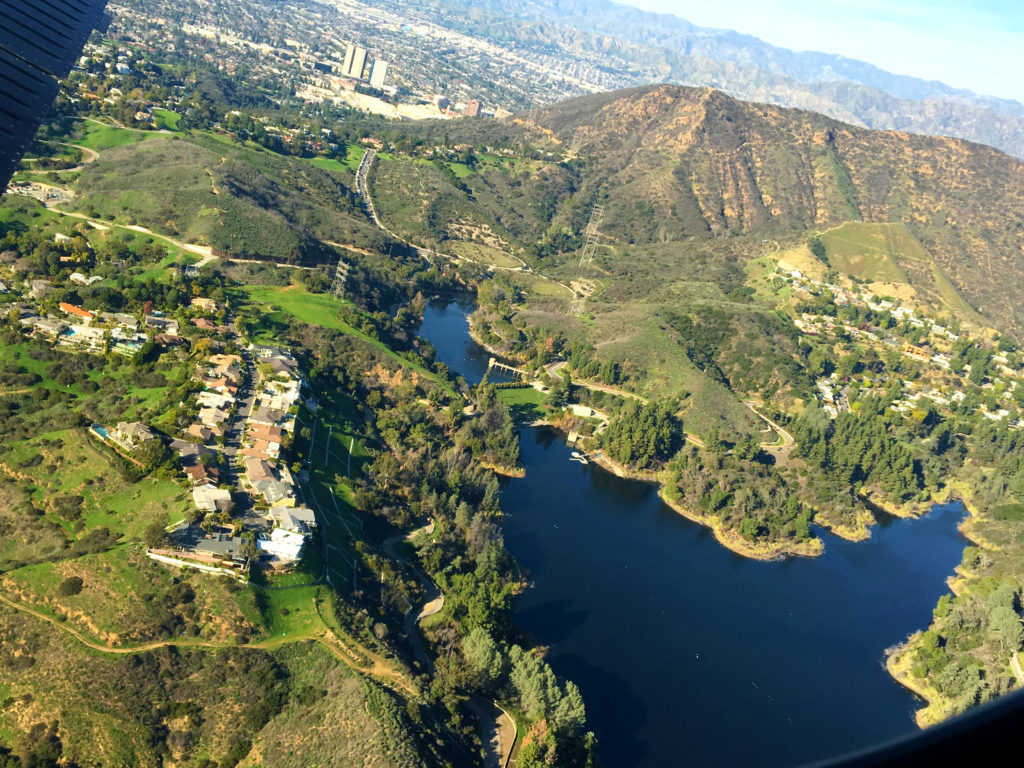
(689,655)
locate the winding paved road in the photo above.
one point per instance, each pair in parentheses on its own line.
(787,439)
(497,728)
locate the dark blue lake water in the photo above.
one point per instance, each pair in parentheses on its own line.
(687,654)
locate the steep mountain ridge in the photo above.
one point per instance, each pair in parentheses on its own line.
(709,165)
(647,47)
(686,166)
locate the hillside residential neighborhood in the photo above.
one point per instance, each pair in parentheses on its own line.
(232,456)
(993,380)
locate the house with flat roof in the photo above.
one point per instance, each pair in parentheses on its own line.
(43,326)
(212,399)
(222,546)
(210,498)
(163,325)
(78,277)
(282,545)
(84,337)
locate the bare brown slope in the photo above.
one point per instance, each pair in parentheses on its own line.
(673,163)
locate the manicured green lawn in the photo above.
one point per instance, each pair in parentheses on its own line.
(327,163)
(97,136)
(289,611)
(158,271)
(524,403)
(461,170)
(165,118)
(353,156)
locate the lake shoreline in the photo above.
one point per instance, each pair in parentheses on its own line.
(562,519)
(899,660)
(728,538)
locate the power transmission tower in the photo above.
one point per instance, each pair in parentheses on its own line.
(577,141)
(340,278)
(591,236)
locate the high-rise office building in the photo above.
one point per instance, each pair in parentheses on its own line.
(39,43)
(378,71)
(355,60)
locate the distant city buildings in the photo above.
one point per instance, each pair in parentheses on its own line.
(355,62)
(378,71)
(473,108)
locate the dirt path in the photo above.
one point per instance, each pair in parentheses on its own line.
(359,658)
(88,155)
(213,181)
(554,368)
(497,729)
(114,124)
(200,250)
(363,188)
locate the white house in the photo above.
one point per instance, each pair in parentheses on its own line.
(282,544)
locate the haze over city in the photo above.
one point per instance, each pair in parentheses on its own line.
(977,45)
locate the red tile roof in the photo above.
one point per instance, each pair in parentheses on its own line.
(71,309)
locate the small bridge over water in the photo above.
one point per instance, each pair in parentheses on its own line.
(493,363)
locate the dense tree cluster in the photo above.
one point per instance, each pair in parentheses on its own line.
(746,495)
(429,463)
(857,449)
(644,435)
(492,437)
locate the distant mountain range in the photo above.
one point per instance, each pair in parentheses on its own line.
(665,48)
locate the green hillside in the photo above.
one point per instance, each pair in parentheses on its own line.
(239,200)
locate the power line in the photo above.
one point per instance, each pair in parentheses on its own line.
(591,238)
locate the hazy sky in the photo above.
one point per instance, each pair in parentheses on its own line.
(976,44)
